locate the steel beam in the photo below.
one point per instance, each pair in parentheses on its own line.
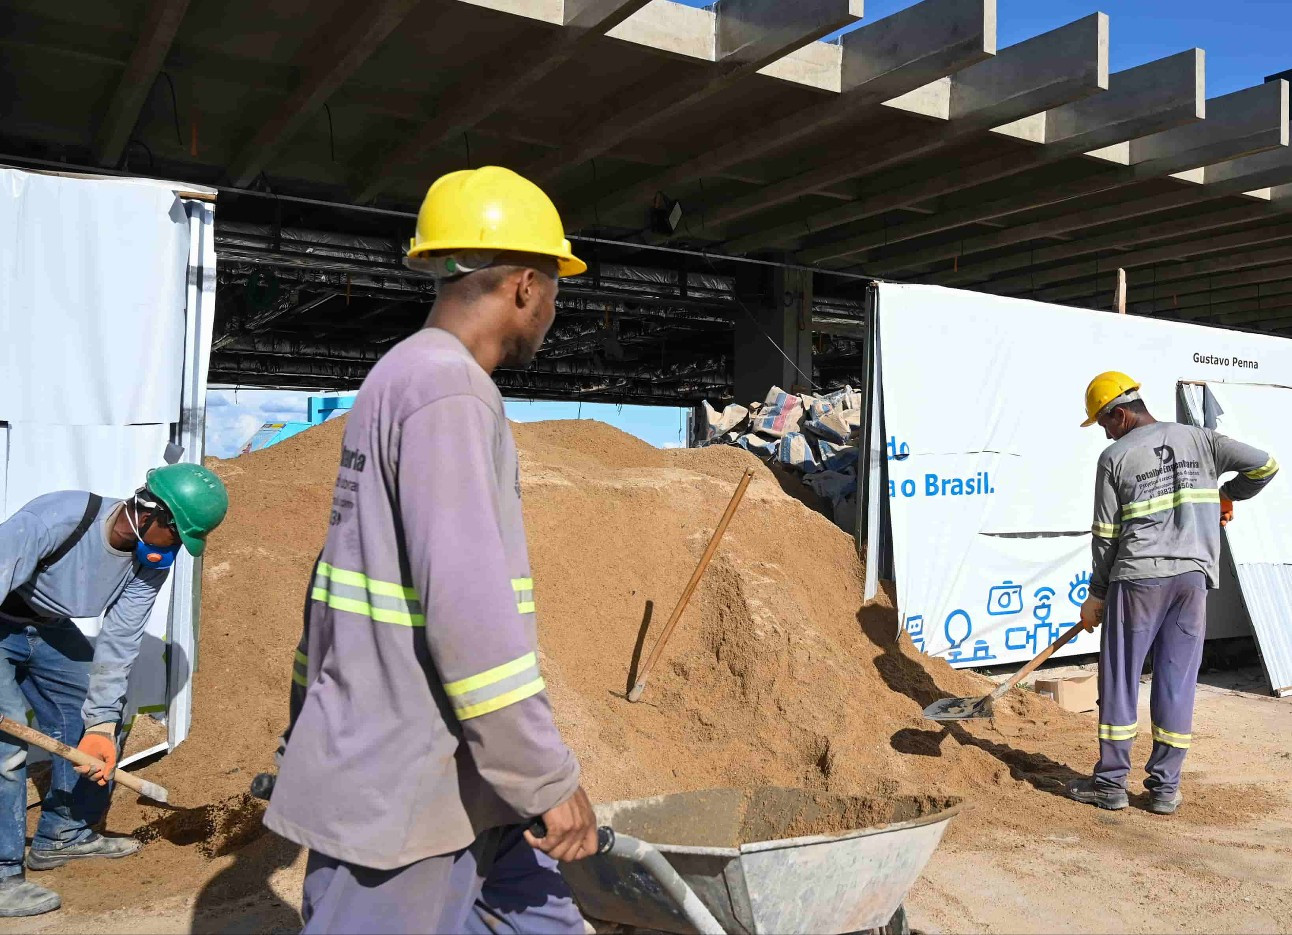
(1033,279)
(342,46)
(880,61)
(1149,98)
(1165,275)
(1262,170)
(463,108)
(1045,71)
(161,23)
(1245,122)
(1167,296)
(1183,304)
(750,34)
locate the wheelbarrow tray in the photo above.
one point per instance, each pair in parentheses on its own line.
(845,881)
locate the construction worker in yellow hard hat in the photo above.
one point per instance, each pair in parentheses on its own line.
(1159,506)
(422,745)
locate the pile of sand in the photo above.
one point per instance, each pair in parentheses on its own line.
(776,674)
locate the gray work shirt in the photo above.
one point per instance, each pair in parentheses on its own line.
(1157,501)
(91,579)
(419,717)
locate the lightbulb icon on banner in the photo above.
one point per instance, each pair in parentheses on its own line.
(957,628)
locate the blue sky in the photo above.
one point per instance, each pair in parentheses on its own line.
(232,417)
(1245,40)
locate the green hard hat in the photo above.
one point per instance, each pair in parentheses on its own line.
(196,498)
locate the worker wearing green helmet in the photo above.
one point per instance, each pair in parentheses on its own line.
(75,554)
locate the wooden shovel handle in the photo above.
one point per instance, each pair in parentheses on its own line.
(1028,669)
(691,585)
(58,748)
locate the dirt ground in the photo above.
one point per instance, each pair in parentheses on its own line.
(1143,872)
(1136,872)
(776,676)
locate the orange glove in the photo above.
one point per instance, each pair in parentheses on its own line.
(99,742)
(1226,511)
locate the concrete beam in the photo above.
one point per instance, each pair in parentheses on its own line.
(1032,279)
(1055,68)
(342,47)
(465,107)
(749,35)
(1146,99)
(1186,292)
(880,61)
(161,23)
(1228,178)
(1245,122)
(1166,275)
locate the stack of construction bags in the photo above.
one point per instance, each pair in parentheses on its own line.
(816,437)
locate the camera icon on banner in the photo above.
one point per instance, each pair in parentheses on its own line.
(1005,599)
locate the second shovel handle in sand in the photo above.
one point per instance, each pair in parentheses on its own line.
(655,653)
(34,737)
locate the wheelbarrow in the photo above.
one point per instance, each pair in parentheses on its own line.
(736,861)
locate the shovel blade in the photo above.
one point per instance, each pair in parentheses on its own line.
(957,709)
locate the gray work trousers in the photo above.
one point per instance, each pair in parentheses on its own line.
(1168,618)
(498,884)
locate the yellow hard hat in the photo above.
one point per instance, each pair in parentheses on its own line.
(1103,389)
(491,209)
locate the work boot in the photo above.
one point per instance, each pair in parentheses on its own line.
(20,898)
(1086,792)
(1163,803)
(95,846)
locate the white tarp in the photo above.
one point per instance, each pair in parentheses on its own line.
(991,478)
(106,301)
(1259,538)
(92,281)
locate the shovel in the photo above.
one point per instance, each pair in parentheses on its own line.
(964,709)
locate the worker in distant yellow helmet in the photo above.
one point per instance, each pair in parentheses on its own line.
(421,744)
(1159,506)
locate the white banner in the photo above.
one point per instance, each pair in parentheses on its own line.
(991,477)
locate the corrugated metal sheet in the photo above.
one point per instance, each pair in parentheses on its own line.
(1267,591)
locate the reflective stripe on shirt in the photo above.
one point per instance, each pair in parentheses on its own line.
(1270,467)
(356,593)
(524,588)
(1106,530)
(495,688)
(1169,502)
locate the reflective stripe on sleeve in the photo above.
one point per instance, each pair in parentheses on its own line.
(495,688)
(1106,530)
(1271,467)
(1172,739)
(300,672)
(1169,502)
(1118,731)
(299,679)
(524,588)
(356,593)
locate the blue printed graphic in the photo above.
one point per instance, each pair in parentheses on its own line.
(957,627)
(898,451)
(1079,588)
(981,653)
(915,627)
(1005,599)
(1042,609)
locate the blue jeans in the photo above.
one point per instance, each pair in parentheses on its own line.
(45,669)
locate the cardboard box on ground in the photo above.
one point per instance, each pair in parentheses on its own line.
(1079,693)
(815,437)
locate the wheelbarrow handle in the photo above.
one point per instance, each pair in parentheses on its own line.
(605,835)
(645,855)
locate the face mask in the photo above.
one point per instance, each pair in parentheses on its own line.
(150,556)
